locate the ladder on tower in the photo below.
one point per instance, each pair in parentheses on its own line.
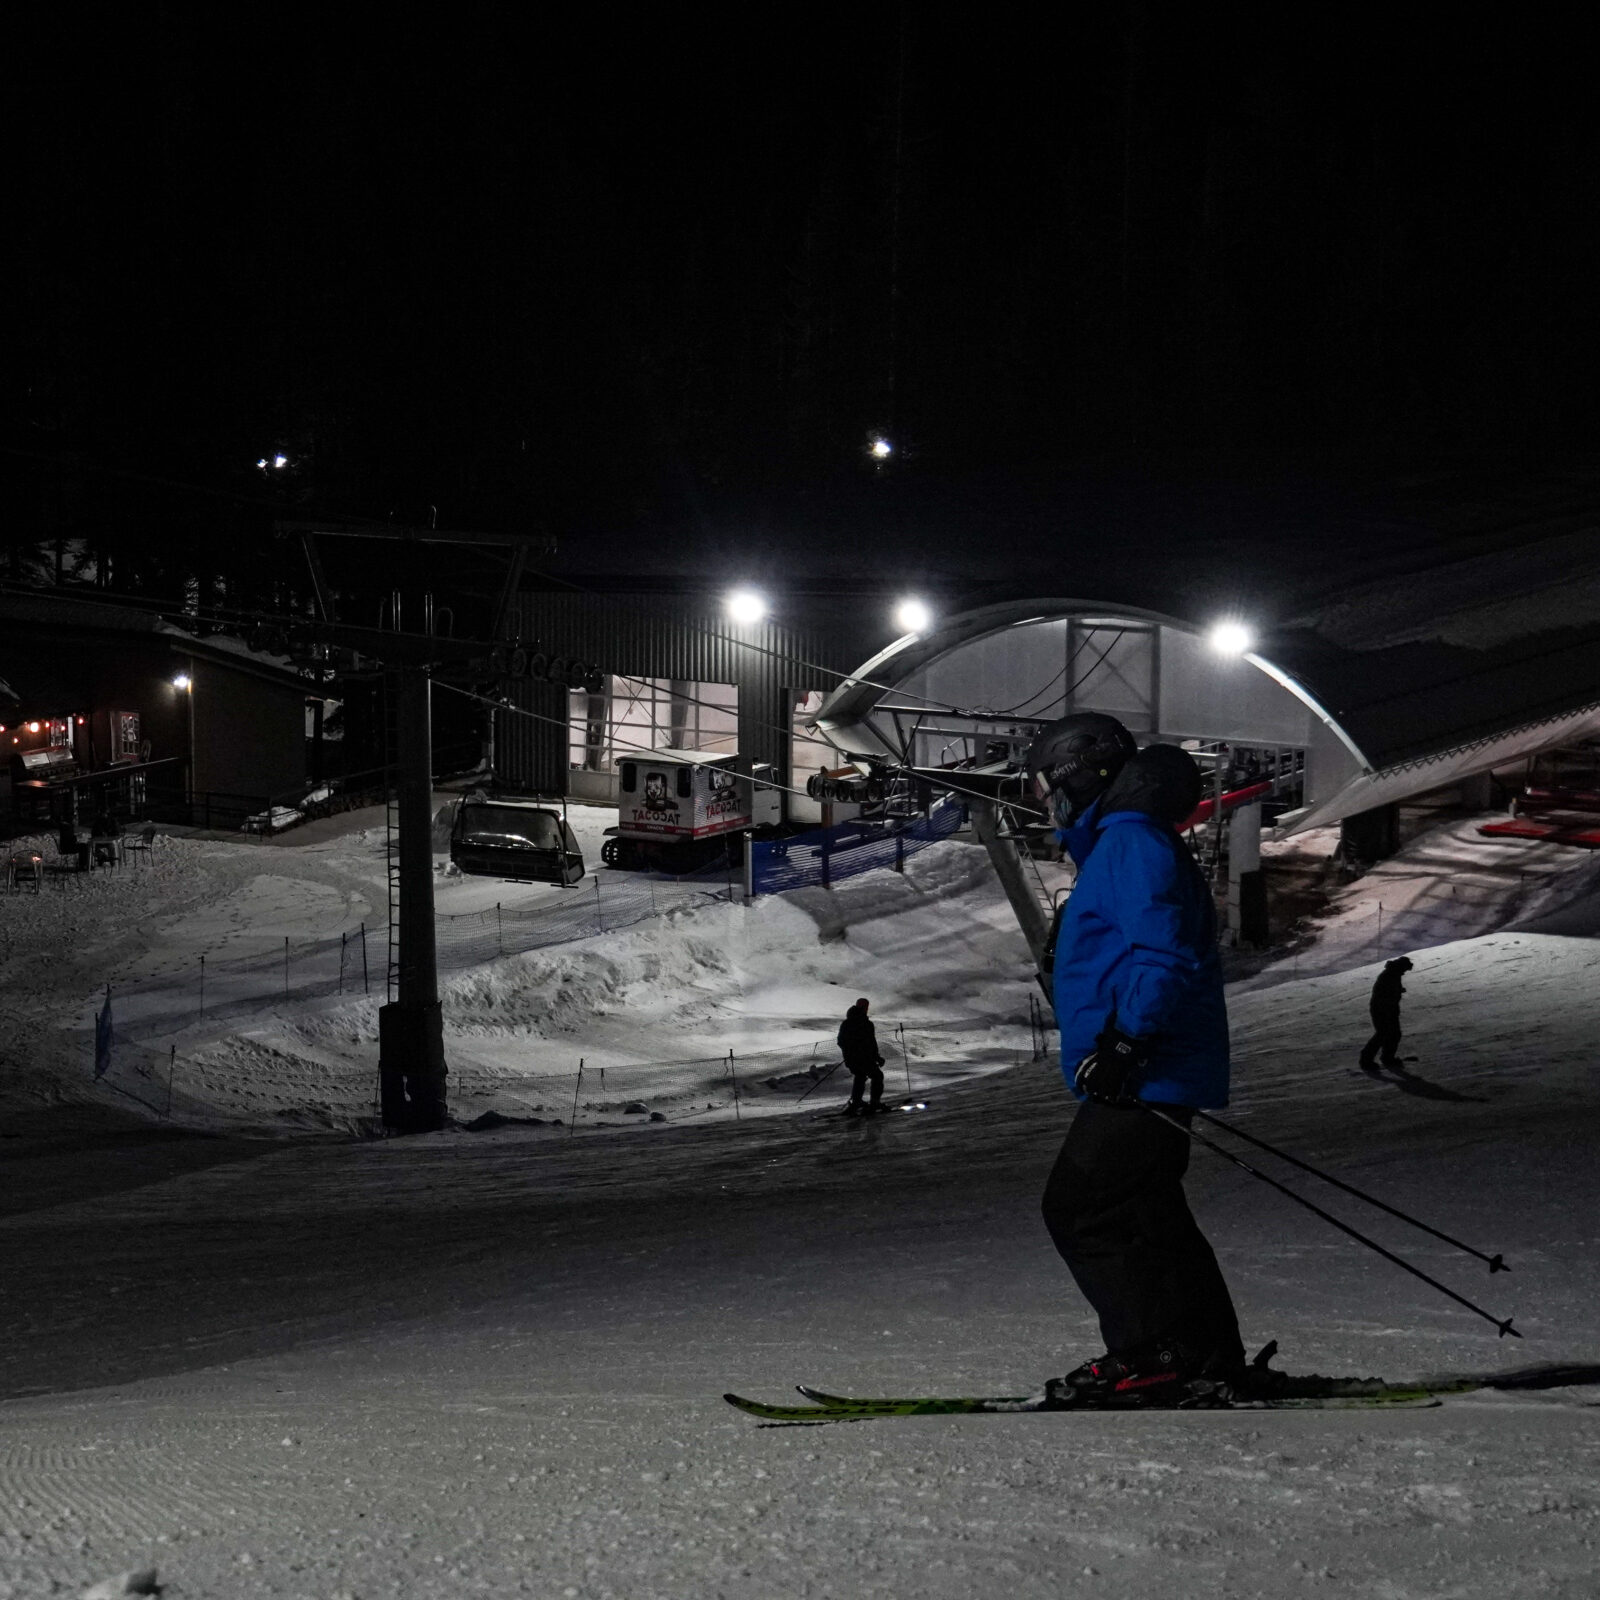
(391,829)
(997,828)
(1013,830)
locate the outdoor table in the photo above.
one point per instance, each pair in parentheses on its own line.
(100,841)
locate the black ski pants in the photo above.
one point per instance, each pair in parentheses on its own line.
(1385,1039)
(861,1076)
(1116,1211)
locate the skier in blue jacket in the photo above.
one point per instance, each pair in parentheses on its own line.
(1138,1000)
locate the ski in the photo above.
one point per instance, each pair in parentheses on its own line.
(844,1410)
(1273,1392)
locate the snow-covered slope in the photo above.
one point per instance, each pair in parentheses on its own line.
(490,1363)
(656,1007)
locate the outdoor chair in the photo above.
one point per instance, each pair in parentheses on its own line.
(145,844)
(25,866)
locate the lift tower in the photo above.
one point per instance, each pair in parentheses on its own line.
(411,1065)
(411,1059)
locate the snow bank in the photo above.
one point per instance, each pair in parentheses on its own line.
(650,1013)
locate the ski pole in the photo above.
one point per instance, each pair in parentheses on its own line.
(1344,1227)
(821,1080)
(1496,1262)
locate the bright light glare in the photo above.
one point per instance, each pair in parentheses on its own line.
(181,681)
(745,607)
(912,616)
(262,463)
(33,727)
(880,449)
(280,461)
(1231,638)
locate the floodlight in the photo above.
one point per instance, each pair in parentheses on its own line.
(745,607)
(280,462)
(262,464)
(1231,638)
(912,616)
(182,681)
(880,449)
(33,727)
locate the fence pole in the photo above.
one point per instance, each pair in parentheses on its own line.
(576,1090)
(286,966)
(499,928)
(342,937)
(202,986)
(734,1078)
(1380,919)
(599,915)
(366,988)
(900,1033)
(172,1061)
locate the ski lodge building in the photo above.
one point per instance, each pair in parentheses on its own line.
(105,703)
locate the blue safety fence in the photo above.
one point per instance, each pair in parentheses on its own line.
(826,855)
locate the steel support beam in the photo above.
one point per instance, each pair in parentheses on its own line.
(1031,917)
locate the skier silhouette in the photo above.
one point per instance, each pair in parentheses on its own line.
(858,1042)
(1384,1045)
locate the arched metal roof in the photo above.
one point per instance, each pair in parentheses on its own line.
(1412,714)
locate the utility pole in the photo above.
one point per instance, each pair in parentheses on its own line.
(411,1064)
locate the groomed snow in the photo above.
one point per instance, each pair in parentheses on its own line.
(489,1363)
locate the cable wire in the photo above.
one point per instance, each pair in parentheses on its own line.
(650,750)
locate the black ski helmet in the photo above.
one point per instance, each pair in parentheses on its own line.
(1079,755)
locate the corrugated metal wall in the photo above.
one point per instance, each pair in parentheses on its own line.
(647,635)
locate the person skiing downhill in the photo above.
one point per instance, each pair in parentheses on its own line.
(1384,1008)
(858,1043)
(1137,988)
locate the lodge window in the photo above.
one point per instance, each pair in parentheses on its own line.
(685,782)
(650,714)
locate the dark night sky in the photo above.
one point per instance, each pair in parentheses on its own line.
(650,282)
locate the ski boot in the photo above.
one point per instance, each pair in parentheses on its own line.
(1163,1376)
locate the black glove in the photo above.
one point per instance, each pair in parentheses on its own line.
(1112,1072)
